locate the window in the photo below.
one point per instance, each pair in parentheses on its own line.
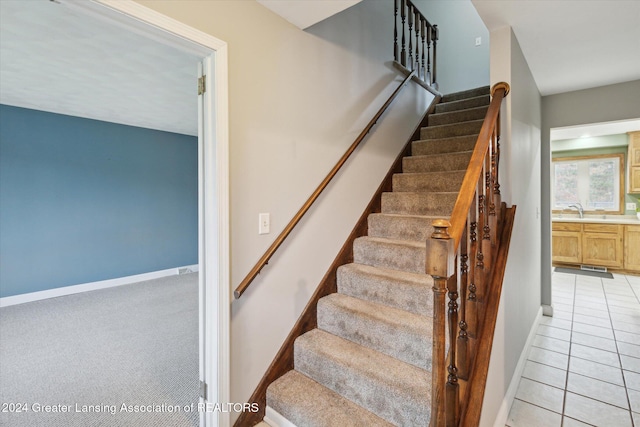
(593,181)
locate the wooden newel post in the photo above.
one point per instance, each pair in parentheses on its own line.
(440,265)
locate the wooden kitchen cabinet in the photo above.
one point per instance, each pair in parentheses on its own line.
(632,247)
(602,245)
(566,240)
(633,179)
(594,244)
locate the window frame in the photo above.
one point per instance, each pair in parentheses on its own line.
(621,169)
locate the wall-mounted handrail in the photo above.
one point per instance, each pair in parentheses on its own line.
(242,287)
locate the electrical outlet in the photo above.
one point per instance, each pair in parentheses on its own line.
(631,206)
(264,223)
(478,41)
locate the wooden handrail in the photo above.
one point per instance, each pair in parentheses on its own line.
(264,260)
(465,244)
(468,188)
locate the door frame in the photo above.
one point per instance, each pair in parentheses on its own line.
(213,184)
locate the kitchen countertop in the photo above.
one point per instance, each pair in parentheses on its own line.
(603,219)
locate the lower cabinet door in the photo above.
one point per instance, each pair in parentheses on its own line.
(602,249)
(567,246)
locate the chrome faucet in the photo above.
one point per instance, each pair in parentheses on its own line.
(579,208)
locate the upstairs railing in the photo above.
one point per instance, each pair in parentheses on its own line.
(460,257)
(414,42)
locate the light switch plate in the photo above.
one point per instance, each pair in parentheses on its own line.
(264,223)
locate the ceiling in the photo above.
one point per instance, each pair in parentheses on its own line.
(56,58)
(59,59)
(572,45)
(305,13)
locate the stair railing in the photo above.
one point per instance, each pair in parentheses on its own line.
(264,259)
(416,50)
(462,251)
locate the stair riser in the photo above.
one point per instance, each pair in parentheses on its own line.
(457,116)
(400,227)
(436,163)
(412,294)
(409,341)
(392,402)
(421,183)
(444,145)
(450,131)
(471,93)
(389,255)
(432,204)
(478,101)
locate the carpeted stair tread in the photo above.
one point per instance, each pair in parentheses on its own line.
(407,291)
(462,104)
(400,255)
(411,203)
(469,93)
(396,391)
(450,117)
(420,182)
(397,333)
(444,145)
(471,127)
(401,227)
(304,402)
(437,163)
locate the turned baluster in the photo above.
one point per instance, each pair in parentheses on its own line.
(403,17)
(472,299)
(452,388)
(410,23)
(435,42)
(395,30)
(417,46)
(422,35)
(487,249)
(439,264)
(480,277)
(493,206)
(428,75)
(463,339)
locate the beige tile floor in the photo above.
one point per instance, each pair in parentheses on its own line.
(584,366)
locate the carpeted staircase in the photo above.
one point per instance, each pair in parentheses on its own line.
(368,362)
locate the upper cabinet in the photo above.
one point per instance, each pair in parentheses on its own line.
(633,181)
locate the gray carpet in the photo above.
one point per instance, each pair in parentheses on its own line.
(133,345)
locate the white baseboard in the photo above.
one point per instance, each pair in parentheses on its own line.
(93,286)
(510,395)
(275,419)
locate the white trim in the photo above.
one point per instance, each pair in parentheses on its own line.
(275,419)
(547,310)
(91,286)
(510,395)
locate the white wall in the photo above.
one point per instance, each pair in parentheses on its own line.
(297,101)
(520,186)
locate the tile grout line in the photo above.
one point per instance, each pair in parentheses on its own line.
(624,380)
(566,378)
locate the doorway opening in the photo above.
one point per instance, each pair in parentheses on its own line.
(212,180)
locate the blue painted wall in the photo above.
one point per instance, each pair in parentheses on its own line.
(84,200)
